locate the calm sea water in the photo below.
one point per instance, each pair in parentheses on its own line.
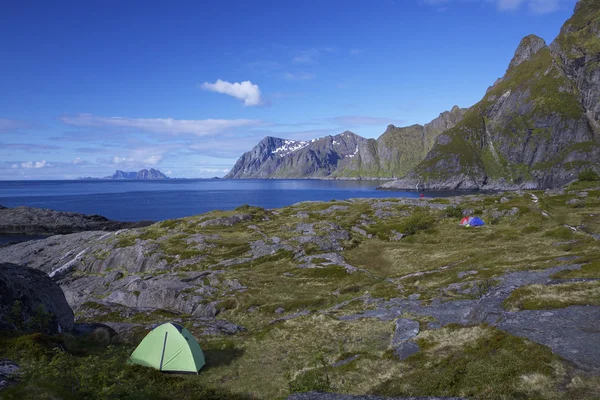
(160,200)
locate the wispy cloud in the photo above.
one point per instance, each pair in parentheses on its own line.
(533,6)
(204,127)
(12,125)
(356,52)
(312,55)
(29,147)
(298,76)
(357,120)
(246,91)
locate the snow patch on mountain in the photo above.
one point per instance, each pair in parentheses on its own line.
(290,146)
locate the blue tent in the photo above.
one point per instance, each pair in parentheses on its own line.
(476,221)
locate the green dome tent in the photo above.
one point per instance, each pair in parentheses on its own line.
(169,348)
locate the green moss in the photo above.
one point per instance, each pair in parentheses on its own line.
(484,369)
(590,270)
(125,240)
(540,297)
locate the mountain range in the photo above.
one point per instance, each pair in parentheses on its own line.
(144,174)
(536,127)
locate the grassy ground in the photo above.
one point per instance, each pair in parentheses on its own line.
(273,357)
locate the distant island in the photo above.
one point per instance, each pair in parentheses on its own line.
(141,175)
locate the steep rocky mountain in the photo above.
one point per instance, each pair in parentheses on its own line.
(281,158)
(144,174)
(536,127)
(346,155)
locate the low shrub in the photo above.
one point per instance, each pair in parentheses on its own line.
(589,176)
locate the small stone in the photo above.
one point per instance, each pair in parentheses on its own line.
(288,274)
(396,236)
(466,273)
(433,325)
(414,296)
(345,361)
(504,200)
(279,310)
(582,194)
(573,201)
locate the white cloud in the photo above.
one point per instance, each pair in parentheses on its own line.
(116,160)
(169,172)
(246,91)
(14,166)
(300,76)
(34,164)
(356,52)
(203,127)
(78,161)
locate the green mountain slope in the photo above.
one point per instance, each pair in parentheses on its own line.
(536,127)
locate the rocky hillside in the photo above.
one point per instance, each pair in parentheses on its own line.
(346,155)
(536,127)
(381,296)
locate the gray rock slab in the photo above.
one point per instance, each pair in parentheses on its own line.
(572,332)
(404,330)
(406,349)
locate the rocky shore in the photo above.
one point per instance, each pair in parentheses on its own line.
(39,221)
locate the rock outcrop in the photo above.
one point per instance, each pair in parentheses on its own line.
(537,127)
(40,221)
(31,302)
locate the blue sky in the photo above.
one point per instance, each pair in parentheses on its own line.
(88,87)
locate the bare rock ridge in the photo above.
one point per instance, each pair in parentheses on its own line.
(39,221)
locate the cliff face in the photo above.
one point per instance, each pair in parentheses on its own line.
(537,127)
(346,155)
(399,150)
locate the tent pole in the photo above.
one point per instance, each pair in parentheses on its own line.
(162,357)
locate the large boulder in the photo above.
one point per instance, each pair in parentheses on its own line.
(31,302)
